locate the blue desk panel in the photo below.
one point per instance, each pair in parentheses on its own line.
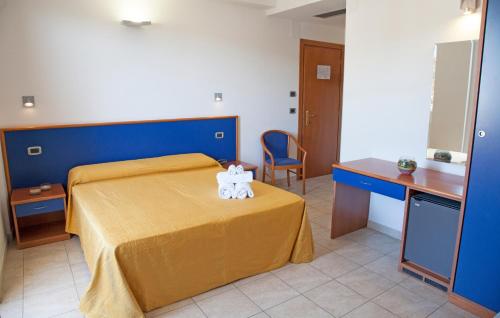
(389,189)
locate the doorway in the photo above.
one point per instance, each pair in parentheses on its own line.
(320,104)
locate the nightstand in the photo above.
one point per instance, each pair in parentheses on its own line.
(39,219)
(246,166)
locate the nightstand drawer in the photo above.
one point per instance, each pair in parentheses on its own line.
(40,207)
(386,188)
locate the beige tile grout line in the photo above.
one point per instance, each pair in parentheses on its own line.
(198,306)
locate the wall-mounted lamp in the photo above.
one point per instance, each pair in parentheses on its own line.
(29,101)
(135,24)
(468,6)
(218,97)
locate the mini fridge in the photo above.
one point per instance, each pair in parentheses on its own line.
(431,233)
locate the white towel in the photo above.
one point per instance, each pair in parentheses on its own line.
(226,177)
(240,169)
(242,191)
(226,191)
(232,170)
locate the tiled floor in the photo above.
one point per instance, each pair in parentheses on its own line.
(354,276)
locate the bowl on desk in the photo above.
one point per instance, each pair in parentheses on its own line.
(407,165)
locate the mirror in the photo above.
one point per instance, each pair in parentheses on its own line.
(455,72)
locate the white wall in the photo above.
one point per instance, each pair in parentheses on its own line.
(388,82)
(84,66)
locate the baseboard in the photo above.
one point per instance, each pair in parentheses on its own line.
(384,229)
(3,254)
(470,306)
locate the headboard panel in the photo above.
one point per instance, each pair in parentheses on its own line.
(64,147)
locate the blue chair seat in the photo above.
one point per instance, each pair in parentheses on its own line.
(285,161)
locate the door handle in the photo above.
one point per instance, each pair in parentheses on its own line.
(481,133)
(309,115)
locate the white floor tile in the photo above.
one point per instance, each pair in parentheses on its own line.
(425,291)
(260,315)
(268,291)
(302,277)
(51,279)
(171,307)
(298,307)
(388,267)
(214,292)
(12,288)
(72,314)
(336,298)
(11,309)
(366,282)
(370,310)
(232,303)
(449,310)
(359,254)
(189,311)
(81,273)
(405,304)
(334,265)
(250,279)
(50,303)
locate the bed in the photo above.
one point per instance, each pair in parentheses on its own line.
(154,231)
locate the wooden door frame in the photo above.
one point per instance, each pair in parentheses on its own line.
(303,44)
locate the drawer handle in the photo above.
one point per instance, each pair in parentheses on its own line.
(40,207)
(366,183)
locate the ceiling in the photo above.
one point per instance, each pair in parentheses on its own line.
(300,10)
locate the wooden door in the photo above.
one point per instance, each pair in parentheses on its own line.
(477,275)
(321,79)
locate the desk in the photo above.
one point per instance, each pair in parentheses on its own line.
(355,180)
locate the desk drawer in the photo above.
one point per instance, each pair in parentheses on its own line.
(386,188)
(40,207)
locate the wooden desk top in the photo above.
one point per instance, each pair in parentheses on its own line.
(21,196)
(426,180)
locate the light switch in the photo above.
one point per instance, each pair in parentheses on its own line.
(34,151)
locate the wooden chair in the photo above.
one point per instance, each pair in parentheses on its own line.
(276,145)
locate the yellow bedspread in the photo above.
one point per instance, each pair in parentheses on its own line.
(154,231)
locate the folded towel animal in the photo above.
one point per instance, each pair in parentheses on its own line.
(242,191)
(225,177)
(226,191)
(232,170)
(240,169)
(235,183)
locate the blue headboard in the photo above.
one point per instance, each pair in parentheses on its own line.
(65,147)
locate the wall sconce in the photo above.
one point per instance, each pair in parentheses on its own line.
(29,101)
(135,24)
(218,97)
(468,6)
